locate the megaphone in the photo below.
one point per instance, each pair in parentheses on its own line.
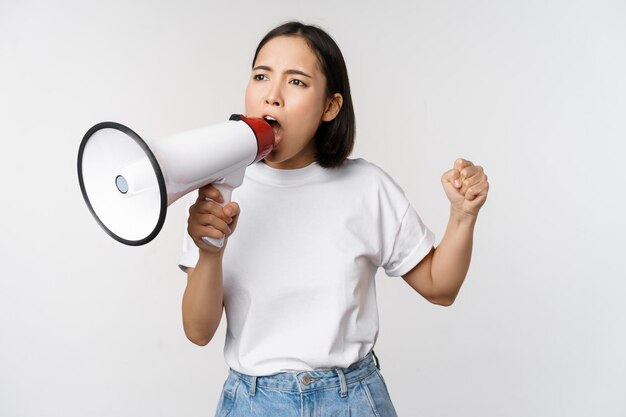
(128,184)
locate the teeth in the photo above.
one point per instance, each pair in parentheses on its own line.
(269,118)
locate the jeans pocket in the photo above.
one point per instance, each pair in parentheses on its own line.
(378,396)
(227,398)
(380,375)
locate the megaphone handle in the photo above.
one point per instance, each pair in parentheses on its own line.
(225,186)
(226,190)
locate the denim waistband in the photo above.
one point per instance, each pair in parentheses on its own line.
(302,381)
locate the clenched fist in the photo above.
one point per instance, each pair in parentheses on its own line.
(466,186)
(208,218)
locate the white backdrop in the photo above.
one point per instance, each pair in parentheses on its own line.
(535,91)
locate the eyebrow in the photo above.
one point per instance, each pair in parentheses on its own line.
(289,71)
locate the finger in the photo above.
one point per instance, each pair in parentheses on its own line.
(472,176)
(480,189)
(209,192)
(209,213)
(211,220)
(197,233)
(209,207)
(199,223)
(231,209)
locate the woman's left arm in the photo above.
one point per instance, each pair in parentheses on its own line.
(439,276)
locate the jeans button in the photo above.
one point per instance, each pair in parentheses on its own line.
(306,380)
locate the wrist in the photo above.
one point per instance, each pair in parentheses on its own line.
(462,218)
(211,256)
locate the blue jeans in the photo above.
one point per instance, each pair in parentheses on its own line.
(356,391)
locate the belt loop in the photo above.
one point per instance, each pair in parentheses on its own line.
(342,382)
(376,360)
(253,386)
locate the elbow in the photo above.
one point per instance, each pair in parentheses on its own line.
(199,332)
(443,300)
(197,337)
(200,340)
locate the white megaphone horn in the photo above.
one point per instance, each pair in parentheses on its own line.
(128,185)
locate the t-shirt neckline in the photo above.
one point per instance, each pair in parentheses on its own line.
(264,173)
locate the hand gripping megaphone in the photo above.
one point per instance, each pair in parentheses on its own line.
(128,185)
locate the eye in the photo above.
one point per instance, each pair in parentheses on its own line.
(260,77)
(297,82)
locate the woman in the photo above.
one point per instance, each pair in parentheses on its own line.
(297,277)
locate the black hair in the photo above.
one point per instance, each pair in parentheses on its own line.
(334,140)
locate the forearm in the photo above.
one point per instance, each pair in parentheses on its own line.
(451,259)
(203,300)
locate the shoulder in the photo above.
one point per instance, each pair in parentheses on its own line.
(367,174)
(363,169)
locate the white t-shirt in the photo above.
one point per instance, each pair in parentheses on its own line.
(298,272)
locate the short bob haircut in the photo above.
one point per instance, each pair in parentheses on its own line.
(334,140)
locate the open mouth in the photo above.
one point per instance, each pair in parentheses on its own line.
(275,126)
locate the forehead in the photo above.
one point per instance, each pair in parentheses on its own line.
(288,52)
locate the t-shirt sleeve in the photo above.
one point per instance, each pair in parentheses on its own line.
(190,253)
(405,240)
(412,242)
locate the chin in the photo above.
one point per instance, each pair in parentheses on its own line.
(273,158)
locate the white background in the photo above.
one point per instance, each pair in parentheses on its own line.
(535,91)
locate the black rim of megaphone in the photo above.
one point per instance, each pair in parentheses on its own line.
(155,166)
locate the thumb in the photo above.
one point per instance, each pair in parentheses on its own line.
(453,177)
(460,164)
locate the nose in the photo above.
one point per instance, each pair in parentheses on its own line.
(274,96)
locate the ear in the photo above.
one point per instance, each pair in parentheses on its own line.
(333,105)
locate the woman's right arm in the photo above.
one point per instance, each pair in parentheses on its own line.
(203,302)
